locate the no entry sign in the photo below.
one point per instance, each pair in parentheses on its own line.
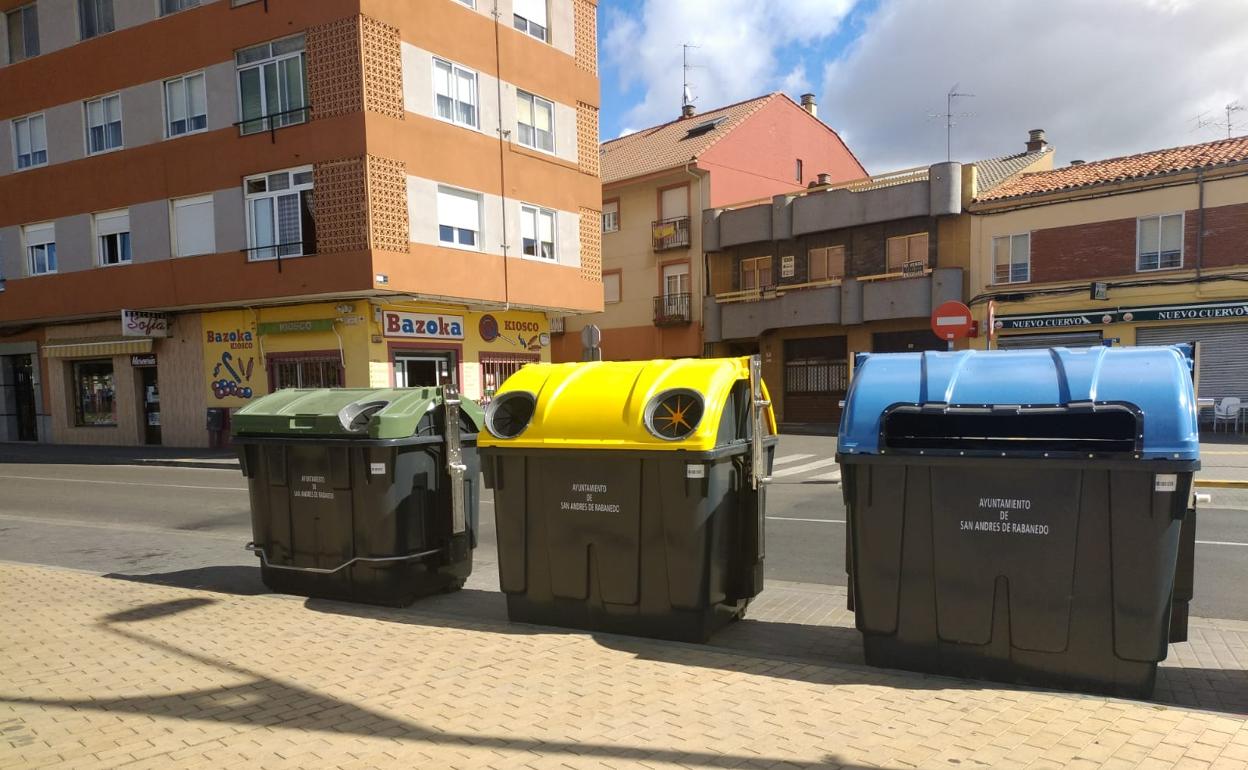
(952,321)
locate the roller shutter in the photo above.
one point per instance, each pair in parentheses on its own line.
(1064,340)
(1223,354)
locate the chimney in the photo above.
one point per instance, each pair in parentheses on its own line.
(825,179)
(1076,162)
(687,111)
(808,104)
(1035,140)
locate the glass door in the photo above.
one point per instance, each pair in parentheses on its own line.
(425,370)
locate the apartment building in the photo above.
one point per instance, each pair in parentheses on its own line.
(1139,250)
(808,279)
(656,182)
(202,201)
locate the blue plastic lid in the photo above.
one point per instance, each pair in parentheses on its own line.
(1155,380)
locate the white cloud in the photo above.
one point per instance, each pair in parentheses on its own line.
(738,57)
(1104,78)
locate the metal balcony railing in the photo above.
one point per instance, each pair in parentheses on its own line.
(274,121)
(670,233)
(673,309)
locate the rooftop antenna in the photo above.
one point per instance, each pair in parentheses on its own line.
(949,117)
(687,97)
(1231,108)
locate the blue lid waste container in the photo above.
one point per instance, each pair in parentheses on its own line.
(359,494)
(629,495)
(1018,515)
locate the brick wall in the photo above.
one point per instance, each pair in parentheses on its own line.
(1105,249)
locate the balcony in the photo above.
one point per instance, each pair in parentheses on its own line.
(673,310)
(846,302)
(670,233)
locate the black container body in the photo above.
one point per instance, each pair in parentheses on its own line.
(320,503)
(1057,573)
(667,545)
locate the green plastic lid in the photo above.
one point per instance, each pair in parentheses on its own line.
(385,413)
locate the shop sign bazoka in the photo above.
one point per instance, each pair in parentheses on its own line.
(434,326)
(525,334)
(233,372)
(1209,311)
(137,323)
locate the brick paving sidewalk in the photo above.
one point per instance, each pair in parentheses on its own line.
(101,672)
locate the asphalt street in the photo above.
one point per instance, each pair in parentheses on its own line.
(189,525)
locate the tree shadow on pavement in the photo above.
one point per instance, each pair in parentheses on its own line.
(262,701)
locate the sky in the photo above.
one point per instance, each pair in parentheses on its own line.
(1103,77)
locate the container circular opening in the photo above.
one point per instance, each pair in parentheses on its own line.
(509,414)
(673,415)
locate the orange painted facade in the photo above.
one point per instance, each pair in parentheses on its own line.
(377,240)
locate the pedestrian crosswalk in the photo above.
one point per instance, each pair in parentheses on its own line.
(803,468)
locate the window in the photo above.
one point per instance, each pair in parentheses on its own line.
(173,6)
(459,218)
(95,404)
(610,216)
(308,372)
(104,124)
(112,237)
(40,248)
(193,227)
(906,250)
(1011,258)
(611,288)
(186,105)
(797,170)
(676,279)
(272,85)
(1159,243)
(95,17)
(30,142)
(455,93)
(23,29)
(279,214)
(825,264)
(756,273)
(536,119)
(530,18)
(537,230)
(469,3)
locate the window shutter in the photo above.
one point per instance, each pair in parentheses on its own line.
(533,10)
(611,287)
(547,226)
(459,209)
(193,223)
(528,227)
(1172,233)
(676,202)
(1148,235)
(112,223)
(36,234)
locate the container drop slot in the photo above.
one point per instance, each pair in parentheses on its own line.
(1103,429)
(355,417)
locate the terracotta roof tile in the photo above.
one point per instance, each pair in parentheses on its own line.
(1139,166)
(670,145)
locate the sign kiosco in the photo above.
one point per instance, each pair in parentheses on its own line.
(423,325)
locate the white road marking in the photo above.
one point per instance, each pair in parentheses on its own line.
(124,483)
(789,459)
(833,476)
(803,468)
(818,521)
(1220,542)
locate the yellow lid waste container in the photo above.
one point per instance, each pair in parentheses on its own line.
(629,496)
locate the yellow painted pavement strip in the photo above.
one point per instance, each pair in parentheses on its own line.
(100,673)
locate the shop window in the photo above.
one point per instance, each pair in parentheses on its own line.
(1159,243)
(95,402)
(826,264)
(279,213)
(310,372)
(272,85)
(907,252)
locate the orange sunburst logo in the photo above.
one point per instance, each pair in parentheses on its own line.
(675,418)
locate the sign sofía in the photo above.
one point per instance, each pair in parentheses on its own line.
(422,325)
(137,323)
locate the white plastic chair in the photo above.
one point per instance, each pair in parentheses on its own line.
(1227,410)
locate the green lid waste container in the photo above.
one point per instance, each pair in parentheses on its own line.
(629,495)
(1022,516)
(359,494)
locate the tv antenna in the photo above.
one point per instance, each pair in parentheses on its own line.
(1230,125)
(949,116)
(687,97)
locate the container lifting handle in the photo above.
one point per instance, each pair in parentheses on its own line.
(758,407)
(455,466)
(264,559)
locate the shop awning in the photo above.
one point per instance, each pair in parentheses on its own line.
(85,347)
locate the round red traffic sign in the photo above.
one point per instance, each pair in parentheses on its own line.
(952,320)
